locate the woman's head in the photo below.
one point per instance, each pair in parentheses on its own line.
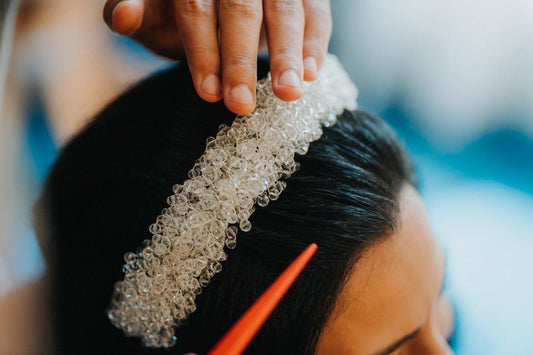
(374,279)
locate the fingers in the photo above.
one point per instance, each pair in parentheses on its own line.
(297,32)
(124,16)
(285,22)
(240,25)
(197,22)
(316,37)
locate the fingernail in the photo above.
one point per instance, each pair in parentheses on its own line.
(289,78)
(241,94)
(122,20)
(211,85)
(310,65)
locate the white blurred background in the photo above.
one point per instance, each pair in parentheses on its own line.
(460,67)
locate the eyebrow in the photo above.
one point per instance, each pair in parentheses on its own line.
(391,348)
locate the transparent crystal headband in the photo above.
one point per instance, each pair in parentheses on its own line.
(241,166)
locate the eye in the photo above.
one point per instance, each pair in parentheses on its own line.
(396,352)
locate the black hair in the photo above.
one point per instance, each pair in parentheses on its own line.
(112,180)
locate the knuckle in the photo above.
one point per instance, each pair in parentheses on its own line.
(284,7)
(314,46)
(288,26)
(287,51)
(287,56)
(243,8)
(241,61)
(196,8)
(204,53)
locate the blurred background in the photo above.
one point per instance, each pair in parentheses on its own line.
(453,77)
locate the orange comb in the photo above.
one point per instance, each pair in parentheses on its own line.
(242,332)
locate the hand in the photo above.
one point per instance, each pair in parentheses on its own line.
(220,39)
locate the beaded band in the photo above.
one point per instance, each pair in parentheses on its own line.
(240,167)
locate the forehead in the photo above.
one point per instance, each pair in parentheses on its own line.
(390,291)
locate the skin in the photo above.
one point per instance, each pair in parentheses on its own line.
(221,39)
(394,291)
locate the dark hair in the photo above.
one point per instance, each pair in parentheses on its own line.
(111,181)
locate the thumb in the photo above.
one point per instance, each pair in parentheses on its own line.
(124,16)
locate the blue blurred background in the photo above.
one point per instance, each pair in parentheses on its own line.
(453,77)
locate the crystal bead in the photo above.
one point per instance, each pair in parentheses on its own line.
(241,166)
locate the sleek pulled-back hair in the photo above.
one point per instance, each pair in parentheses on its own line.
(111,181)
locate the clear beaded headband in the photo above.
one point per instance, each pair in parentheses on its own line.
(240,167)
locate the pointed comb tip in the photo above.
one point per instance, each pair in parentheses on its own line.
(242,332)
